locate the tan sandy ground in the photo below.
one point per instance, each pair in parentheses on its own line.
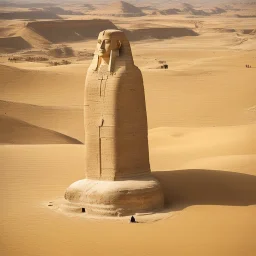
(202,138)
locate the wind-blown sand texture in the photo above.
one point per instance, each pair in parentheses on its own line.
(75,30)
(118,8)
(202,139)
(12,44)
(28,15)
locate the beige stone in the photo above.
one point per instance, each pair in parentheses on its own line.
(118,177)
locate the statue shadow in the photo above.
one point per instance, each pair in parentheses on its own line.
(183,188)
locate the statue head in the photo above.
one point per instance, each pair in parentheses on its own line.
(114,49)
(107,42)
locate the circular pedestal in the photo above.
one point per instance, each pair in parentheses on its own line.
(116,198)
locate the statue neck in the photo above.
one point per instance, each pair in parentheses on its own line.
(104,61)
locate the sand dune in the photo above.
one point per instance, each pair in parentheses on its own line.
(208,101)
(33,38)
(27,5)
(245,16)
(187,8)
(225,30)
(170,11)
(64,31)
(217,10)
(176,147)
(61,11)
(89,7)
(62,114)
(42,87)
(12,44)
(42,34)
(64,120)
(29,15)
(7,29)
(159,33)
(119,8)
(70,30)
(211,201)
(14,131)
(249,31)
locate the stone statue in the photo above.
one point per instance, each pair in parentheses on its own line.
(118,177)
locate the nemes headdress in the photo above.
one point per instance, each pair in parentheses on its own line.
(121,57)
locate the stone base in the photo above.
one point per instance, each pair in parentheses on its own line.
(115,198)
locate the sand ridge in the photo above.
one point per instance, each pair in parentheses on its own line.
(43,33)
(12,44)
(71,30)
(14,131)
(118,8)
(28,15)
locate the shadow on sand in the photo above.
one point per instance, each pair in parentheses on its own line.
(183,188)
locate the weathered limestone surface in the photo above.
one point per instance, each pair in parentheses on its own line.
(118,178)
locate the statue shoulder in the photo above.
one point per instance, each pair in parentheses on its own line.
(124,70)
(91,69)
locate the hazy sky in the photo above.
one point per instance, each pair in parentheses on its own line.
(139,2)
(109,1)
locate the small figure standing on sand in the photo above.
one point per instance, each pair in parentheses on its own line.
(132,220)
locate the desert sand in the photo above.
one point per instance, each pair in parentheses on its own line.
(201,124)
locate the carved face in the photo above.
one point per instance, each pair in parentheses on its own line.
(105,45)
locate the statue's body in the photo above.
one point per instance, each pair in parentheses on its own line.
(115,113)
(115,135)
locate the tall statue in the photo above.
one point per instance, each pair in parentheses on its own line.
(118,177)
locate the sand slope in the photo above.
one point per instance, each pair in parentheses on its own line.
(42,87)
(78,30)
(29,15)
(169,11)
(14,131)
(61,11)
(176,147)
(68,121)
(119,8)
(70,30)
(159,33)
(11,44)
(194,225)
